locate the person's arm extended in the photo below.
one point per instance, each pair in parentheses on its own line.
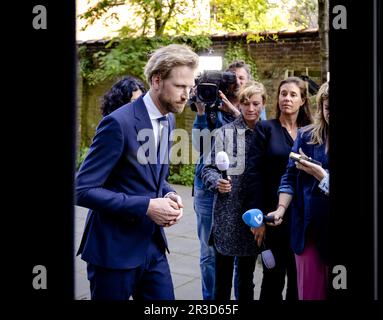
(287,186)
(199,124)
(284,201)
(103,155)
(227,106)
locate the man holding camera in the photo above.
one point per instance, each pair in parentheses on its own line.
(212,116)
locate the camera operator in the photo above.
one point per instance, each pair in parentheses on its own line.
(211,118)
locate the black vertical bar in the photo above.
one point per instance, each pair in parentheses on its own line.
(351,150)
(39,108)
(377,103)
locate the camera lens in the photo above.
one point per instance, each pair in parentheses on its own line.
(207,92)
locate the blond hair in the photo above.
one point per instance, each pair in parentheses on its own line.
(251,88)
(319,129)
(164,59)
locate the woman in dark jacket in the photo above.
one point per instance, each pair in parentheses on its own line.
(268,159)
(305,185)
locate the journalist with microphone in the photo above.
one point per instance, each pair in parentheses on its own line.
(230,236)
(216,103)
(130,201)
(269,157)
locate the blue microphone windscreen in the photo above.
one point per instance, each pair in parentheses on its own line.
(253,218)
(268,259)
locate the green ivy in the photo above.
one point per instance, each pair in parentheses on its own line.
(237,51)
(182,174)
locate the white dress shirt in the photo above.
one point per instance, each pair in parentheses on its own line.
(154,114)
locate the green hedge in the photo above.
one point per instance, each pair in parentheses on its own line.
(182,174)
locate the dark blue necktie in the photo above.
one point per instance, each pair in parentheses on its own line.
(163,138)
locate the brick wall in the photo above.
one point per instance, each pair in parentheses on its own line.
(293,53)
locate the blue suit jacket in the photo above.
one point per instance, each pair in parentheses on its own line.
(310,206)
(117,189)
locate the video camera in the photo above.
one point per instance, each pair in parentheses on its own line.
(313,86)
(208,85)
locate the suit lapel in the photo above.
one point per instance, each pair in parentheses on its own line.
(143,123)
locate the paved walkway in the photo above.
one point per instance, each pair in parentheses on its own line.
(183,258)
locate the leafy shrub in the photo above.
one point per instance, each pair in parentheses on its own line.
(182,174)
(81,154)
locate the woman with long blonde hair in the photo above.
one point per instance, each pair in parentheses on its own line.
(305,186)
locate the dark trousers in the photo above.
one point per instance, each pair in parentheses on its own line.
(149,281)
(273,280)
(224,266)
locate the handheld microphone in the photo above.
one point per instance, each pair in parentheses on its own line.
(268,258)
(222,162)
(254,218)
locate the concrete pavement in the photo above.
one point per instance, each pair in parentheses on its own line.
(183,258)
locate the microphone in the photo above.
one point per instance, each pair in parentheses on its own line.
(222,162)
(254,218)
(268,258)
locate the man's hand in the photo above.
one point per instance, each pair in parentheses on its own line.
(176,198)
(227,106)
(200,108)
(311,168)
(259,234)
(164,211)
(223,185)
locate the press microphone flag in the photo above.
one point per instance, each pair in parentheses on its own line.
(222,162)
(254,218)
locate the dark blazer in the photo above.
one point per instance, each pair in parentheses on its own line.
(117,189)
(268,158)
(268,155)
(310,206)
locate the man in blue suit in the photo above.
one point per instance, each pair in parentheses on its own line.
(123,183)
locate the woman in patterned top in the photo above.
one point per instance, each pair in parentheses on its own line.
(230,235)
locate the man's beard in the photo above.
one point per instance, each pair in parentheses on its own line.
(169,106)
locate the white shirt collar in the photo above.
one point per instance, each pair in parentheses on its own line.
(153,111)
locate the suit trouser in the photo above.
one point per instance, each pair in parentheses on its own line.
(224,266)
(149,281)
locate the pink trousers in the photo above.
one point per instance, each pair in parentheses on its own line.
(312,274)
